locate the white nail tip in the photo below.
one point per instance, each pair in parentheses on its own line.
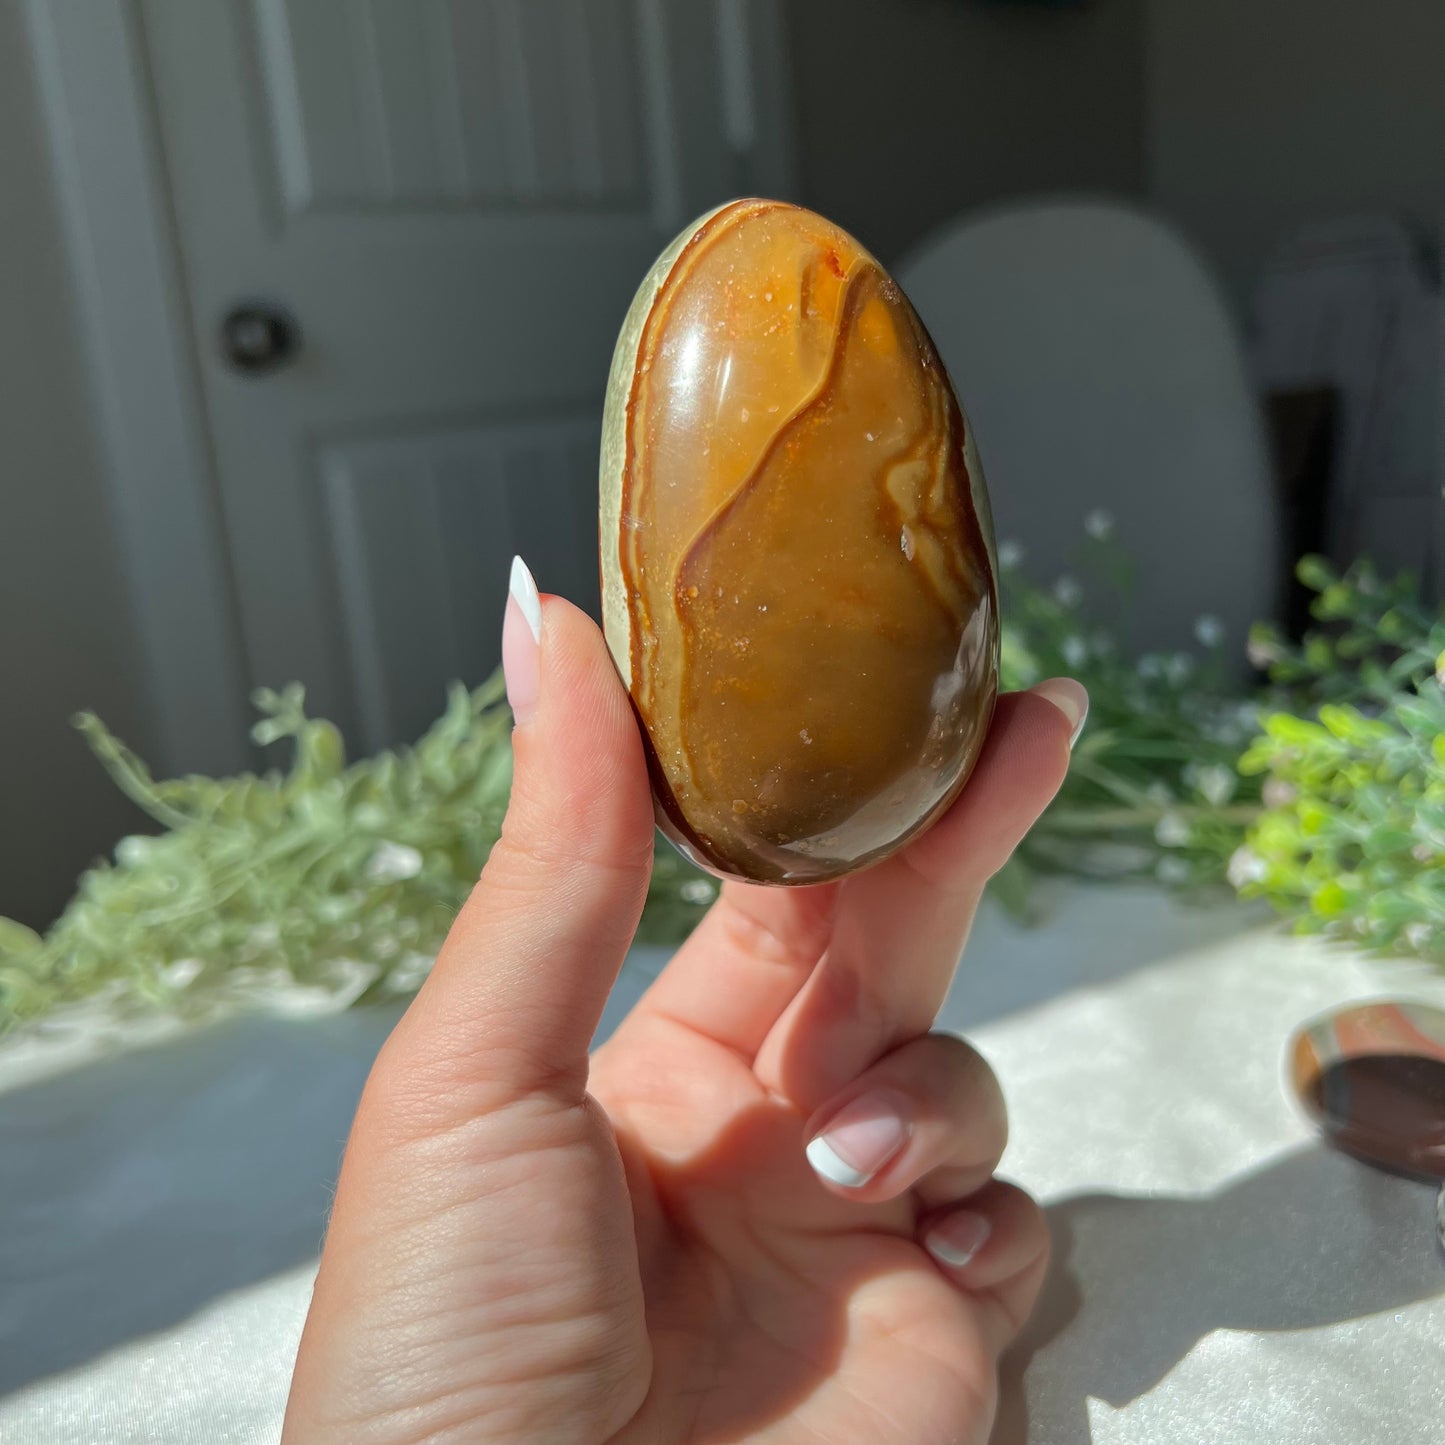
(947,1254)
(524,590)
(827,1164)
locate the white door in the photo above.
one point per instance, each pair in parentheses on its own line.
(448,203)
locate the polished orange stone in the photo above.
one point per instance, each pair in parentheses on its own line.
(799,585)
(1372,1076)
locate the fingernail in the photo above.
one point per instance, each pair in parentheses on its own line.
(859,1141)
(955,1240)
(521,643)
(1070,698)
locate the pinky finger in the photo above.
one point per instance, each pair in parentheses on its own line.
(995,1246)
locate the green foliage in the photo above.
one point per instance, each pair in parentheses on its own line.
(342,879)
(1352,844)
(1325,795)
(1152,791)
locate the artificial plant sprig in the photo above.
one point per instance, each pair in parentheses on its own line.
(1324,793)
(1152,791)
(1352,844)
(333,877)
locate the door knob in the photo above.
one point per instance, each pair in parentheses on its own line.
(257,337)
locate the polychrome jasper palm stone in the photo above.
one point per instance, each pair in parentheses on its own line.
(798,571)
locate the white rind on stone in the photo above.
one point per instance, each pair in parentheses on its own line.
(616,615)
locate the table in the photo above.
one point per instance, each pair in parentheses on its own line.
(1221,1277)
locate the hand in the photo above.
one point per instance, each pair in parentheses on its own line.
(527,1247)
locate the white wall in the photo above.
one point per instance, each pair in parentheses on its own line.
(1263,114)
(65,634)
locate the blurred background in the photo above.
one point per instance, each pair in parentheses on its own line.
(309,306)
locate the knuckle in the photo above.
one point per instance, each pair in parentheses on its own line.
(523,853)
(956,1068)
(968,1090)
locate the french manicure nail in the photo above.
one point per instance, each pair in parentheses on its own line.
(521,643)
(859,1141)
(524,588)
(955,1240)
(1070,698)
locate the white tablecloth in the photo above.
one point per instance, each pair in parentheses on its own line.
(1221,1277)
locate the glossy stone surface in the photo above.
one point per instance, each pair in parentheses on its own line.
(797,558)
(1372,1076)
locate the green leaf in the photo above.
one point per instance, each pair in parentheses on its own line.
(1315,573)
(17,940)
(1297,731)
(1330,900)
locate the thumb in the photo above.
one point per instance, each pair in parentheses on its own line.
(518,989)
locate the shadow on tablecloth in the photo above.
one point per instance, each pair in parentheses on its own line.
(1313,1239)
(135,1191)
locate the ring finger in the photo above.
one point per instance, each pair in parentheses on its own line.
(928,1117)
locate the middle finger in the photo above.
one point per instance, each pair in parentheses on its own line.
(899,928)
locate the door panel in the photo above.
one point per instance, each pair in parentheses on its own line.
(422,527)
(492,102)
(455,200)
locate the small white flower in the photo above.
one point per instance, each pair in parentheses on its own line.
(1278,793)
(1067,592)
(1261,653)
(697,890)
(1010,554)
(393,863)
(1215,783)
(1171,831)
(1150,665)
(263,936)
(1172,871)
(180,972)
(1159,793)
(131,852)
(1246,866)
(1209,630)
(1099,524)
(408,973)
(337,906)
(1075,650)
(1417,935)
(1178,667)
(1223,725)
